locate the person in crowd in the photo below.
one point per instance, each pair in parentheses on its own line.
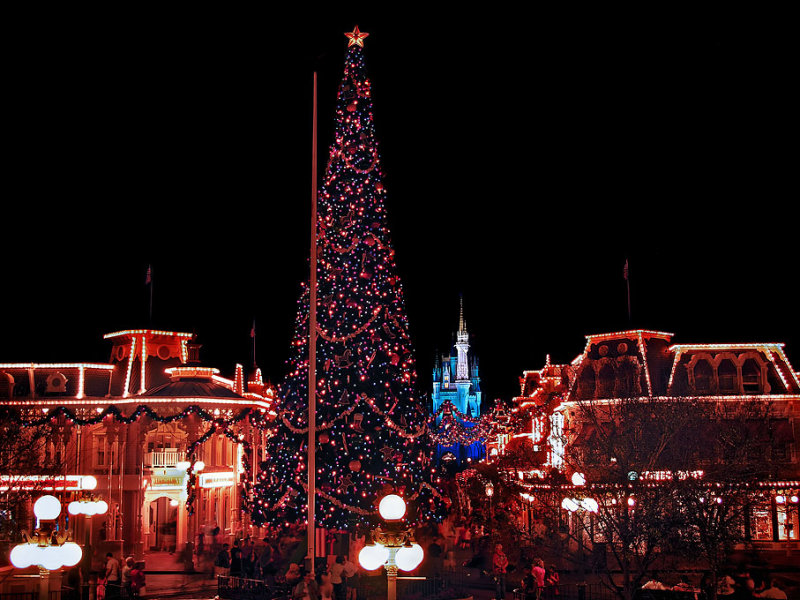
(654,583)
(434,553)
(266,563)
(325,585)
(236,560)
(293,574)
(112,577)
(551,581)
(137,581)
(222,564)
(247,557)
(774,591)
(537,570)
(337,579)
(350,579)
(126,577)
(725,585)
(306,588)
(499,570)
(685,586)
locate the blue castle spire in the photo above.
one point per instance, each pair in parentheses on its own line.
(457,390)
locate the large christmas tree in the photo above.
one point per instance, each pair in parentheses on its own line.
(372,433)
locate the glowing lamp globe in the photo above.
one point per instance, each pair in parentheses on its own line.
(373,556)
(50,557)
(409,557)
(22,555)
(578,479)
(88,482)
(101,507)
(199,466)
(47,508)
(569,504)
(71,554)
(392,507)
(74,507)
(590,504)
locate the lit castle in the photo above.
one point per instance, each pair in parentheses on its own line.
(457,391)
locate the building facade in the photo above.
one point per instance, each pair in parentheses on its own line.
(746,403)
(170,443)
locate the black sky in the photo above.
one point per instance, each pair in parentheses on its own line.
(526,157)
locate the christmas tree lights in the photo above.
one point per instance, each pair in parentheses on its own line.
(371,428)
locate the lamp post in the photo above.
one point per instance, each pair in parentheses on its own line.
(489,494)
(88,506)
(392,545)
(46,547)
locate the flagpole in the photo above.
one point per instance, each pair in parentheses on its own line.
(628,284)
(312,345)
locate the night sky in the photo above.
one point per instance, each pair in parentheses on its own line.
(526,157)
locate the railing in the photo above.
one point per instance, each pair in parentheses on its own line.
(163,459)
(238,588)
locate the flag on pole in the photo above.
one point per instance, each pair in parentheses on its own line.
(625,271)
(149,279)
(253,330)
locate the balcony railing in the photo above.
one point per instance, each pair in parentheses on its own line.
(160,460)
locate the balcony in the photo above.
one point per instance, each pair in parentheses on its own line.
(164,459)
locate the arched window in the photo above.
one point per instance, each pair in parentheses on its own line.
(726,372)
(586,383)
(751,377)
(606,382)
(626,380)
(703,376)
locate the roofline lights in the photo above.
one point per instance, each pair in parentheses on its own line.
(103,367)
(146,332)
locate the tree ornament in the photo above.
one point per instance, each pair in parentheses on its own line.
(355,465)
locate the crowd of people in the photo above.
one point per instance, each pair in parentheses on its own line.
(737,584)
(278,561)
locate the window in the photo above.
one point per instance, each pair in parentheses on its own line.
(751,377)
(727,377)
(787,521)
(703,375)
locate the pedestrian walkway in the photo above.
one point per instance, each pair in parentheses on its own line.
(166,577)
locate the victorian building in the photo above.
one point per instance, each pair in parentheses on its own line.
(168,443)
(738,406)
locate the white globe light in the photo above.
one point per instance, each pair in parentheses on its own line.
(71,554)
(408,558)
(569,504)
(578,479)
(392,507)
(591,505)
(373,557)
(199,466)
(50,558)
(89,508)
(88,482)
(74,507)
(47,508)
(22,555)
(101,507)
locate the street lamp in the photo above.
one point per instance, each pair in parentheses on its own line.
(46,548)
(392,545)
(489,494)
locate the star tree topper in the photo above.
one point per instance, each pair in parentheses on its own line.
(356,38)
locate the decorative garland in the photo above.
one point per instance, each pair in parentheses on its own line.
(113,411)
(350,336)
(371,403)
